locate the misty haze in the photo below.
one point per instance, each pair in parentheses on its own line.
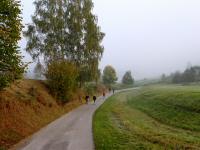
(147,37)
(99,75)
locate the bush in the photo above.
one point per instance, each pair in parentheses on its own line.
(4,81)
(61,77)
(90,88)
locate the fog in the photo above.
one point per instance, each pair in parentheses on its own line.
(148,37)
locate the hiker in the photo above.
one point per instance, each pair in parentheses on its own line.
(94,99)
(113,91)
(87,99)
(104,95)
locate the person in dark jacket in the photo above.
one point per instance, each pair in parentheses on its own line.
(113,91)
(104,95)
(87,99)
(94,98)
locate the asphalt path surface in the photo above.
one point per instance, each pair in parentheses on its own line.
(73,131)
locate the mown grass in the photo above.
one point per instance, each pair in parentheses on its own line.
(154,117)
(177,106)
(120,86)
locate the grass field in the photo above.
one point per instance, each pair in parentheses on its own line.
(153,117)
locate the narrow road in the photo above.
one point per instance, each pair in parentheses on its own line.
(71,132)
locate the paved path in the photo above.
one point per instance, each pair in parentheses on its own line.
(71,132)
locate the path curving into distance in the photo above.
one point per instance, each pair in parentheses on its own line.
(73,131)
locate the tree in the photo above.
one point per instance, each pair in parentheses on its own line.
(48,33)
(11,65)
(109,75)
(127,78)
(189,75)
(85,39)
(93,50)
(163,78)
(61,77)
(66,30)
(39,70)
(177,77)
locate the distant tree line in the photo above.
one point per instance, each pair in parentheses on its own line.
(110,77)
(191,74)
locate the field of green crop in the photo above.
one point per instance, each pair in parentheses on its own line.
(153,117)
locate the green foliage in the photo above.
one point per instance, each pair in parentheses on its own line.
(61,78)
(47,35)
(66,29)
(109,75)
(127,78)
(93,50)
(90,88)
(11,66)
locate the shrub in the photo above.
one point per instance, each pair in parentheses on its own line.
(90,88)
(61,77)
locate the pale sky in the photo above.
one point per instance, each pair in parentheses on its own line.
(148,37)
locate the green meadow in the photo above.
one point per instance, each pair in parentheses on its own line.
(152,117)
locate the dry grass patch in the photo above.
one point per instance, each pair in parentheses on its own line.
(26,107)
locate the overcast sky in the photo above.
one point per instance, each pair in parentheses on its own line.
(148,37)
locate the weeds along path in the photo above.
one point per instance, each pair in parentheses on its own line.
(120,125)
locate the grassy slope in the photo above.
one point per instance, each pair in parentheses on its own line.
(158,117)
(120,86)
(25,107)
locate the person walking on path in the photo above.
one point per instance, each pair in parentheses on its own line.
(94,99)
(113,91)
(104,95)
(87,99)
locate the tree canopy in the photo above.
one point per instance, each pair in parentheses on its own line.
(127,78)
(66,31)
(11,66)
(109,75)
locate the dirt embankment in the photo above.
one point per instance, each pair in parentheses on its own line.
(26,107)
